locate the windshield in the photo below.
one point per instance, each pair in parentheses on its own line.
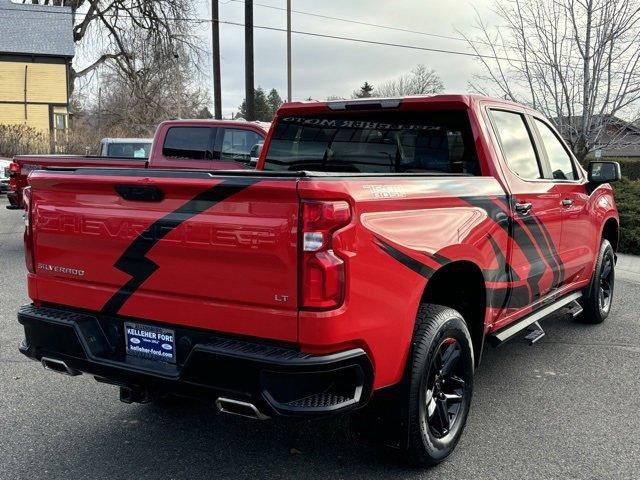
(377,142)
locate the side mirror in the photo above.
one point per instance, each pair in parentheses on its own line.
(604,172)
(255,153)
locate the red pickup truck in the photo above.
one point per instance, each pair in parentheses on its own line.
(364,264)
(179,144)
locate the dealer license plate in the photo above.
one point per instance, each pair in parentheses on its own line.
(151,342)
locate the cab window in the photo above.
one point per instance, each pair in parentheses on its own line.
(437,142)
(559,160)
(237,144)
(193,143)
(517,144)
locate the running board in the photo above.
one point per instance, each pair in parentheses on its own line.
(499,337)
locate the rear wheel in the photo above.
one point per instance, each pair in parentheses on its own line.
(440,384)
(597,298)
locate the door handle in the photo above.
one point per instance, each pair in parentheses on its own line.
(523,208)
(567,202)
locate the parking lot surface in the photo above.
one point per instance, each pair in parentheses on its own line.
(568,407)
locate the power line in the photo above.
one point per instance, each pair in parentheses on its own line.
(310,34)
(357,22)
(328,36)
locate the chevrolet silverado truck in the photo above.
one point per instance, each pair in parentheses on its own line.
(377,247)
(177,144)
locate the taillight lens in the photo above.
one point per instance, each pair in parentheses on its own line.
(14,172)
(323,272)
(28,231)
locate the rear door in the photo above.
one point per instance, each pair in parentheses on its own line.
(579,229)
(188,248)
(536,215)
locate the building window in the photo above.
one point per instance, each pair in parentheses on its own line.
(60,124)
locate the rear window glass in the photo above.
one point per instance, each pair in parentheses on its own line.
(129,150)
(379,142)
(189,142)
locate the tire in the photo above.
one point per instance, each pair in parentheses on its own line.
(440,384)
(598,297)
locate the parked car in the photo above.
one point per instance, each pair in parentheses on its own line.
(4,175)
(364,264)
(126,147)
(178,144)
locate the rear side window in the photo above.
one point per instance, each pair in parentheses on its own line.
(559,160)
(237,144)
(189,142)
(375,142)
(516,144)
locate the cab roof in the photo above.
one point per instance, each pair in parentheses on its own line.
(414,102)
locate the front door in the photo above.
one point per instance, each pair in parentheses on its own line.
(579,233)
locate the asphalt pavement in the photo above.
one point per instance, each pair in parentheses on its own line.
(568,407)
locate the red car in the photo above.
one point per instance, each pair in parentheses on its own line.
(364,265)
(178,144)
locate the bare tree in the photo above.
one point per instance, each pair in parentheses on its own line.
(420,81)
(101,27)
(575,60)
(161,87)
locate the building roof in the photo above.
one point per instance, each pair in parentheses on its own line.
(35,29)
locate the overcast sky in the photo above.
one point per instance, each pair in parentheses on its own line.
(323,67)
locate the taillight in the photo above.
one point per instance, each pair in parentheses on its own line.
(322,271)
(14,173)
(28,232)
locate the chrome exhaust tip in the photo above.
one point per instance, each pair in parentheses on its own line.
(58,366)
(242,409)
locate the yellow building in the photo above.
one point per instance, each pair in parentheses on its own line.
(36,49)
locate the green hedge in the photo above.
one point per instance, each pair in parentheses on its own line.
(627,195)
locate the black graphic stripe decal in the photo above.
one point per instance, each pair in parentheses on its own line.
(558,276)
(504,272)
(134,262)
(405,259)
(519,236)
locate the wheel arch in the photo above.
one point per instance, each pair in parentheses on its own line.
(611,232)
(461,285)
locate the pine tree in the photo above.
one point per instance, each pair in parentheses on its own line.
(365,91)
(263,108)
(274,100)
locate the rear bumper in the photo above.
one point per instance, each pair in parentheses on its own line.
(276,378)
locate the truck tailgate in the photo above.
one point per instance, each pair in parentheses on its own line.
(188,248)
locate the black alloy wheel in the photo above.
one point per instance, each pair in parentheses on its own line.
(445,388)
(606,284)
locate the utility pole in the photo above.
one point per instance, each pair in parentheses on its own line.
(215,44)
(289,50)
(249,96)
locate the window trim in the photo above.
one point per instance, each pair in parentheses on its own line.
(577,171)
(532,138)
